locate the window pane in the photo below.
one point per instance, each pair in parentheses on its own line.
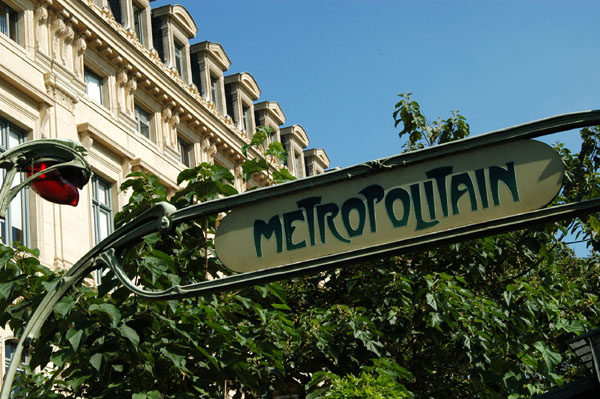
(9,351)
(143,121)
(13,25)
(9,22)
(214,91)
(16,220)
(184,152)
(94,86)
(103,194)
(138,23)
(104,220)
(246,112)
(3,18)
(14,139)
(179,58)
(14,225)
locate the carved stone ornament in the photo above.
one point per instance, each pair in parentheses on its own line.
(58,93)
(41,13)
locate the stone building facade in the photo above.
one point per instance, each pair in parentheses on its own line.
(123,79)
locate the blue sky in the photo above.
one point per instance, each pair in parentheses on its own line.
(336,66)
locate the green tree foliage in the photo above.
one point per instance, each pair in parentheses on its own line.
(487,318)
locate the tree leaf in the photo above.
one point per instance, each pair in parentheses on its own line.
(96,361)
(130,334)
(74,337)
(111,310)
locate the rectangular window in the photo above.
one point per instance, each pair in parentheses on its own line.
(179,58)
(184,152)
(143,121)
(246,114)
(15,226)
(94,84)
(138,22)
(9,22)
(102,210)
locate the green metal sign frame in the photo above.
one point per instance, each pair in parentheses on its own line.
(164,216)
(521,132)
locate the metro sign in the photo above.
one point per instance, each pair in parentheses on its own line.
(391,205)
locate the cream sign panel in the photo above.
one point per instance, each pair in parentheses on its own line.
(391,205)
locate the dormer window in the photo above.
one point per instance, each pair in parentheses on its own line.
(172,28)
(242,90)
(315,161)
(209,61)
(9,22)
(295,140)
(269,113)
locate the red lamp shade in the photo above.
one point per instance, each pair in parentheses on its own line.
(54,186)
